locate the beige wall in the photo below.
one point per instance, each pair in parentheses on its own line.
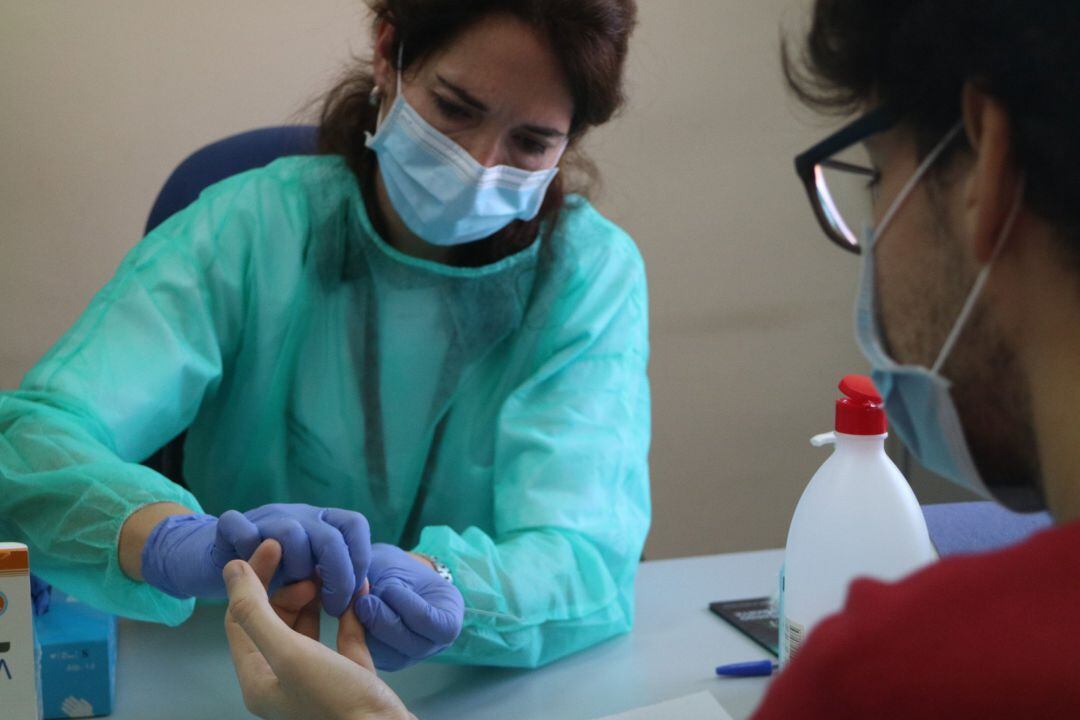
(751,308)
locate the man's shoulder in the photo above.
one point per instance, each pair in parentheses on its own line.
(965,635)
(978,583)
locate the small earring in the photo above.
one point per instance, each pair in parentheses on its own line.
(375,97)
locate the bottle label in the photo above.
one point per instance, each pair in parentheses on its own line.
(794,633)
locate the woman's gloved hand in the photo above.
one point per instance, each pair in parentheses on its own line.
(185,554)
(411,612)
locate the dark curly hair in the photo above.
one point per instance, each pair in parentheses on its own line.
(916,55)
(590,38)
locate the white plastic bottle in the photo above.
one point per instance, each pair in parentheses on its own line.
(857,518)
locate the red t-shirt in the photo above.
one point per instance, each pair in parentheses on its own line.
(982,636)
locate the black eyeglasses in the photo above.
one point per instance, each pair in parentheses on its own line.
(840,180)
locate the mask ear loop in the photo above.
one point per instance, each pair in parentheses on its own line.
(914,180)
(401,56)
(980,282)
(400,61)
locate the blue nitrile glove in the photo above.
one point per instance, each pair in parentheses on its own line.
(411,612)
(185,554)
(40,595)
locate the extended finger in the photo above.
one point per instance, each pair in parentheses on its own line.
(259,685)
(265,560)
(249,609)
(250,665)
(257,681)
(351,641)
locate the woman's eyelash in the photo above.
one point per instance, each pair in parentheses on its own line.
(450,109)
(533,147)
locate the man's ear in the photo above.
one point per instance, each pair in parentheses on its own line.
(383,62)
(995,177)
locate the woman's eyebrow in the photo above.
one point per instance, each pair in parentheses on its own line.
(466,97)
(544,131)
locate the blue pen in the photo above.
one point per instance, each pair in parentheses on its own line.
(755,668)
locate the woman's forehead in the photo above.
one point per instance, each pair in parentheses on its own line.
(504,62)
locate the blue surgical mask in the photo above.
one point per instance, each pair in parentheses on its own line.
(442,194)
(918,399)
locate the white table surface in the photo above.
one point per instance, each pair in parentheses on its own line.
(676,643)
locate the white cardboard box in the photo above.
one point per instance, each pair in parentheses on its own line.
(18,662)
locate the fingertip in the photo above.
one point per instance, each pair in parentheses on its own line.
(265,560)
(269,546)
(228,516)
(233,569)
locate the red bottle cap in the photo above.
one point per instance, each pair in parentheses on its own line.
(862,411)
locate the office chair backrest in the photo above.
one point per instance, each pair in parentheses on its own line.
(970,527)
(225,158)
(201,169)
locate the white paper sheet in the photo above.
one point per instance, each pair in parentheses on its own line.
(699,706)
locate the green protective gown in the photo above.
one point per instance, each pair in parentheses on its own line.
(496,417)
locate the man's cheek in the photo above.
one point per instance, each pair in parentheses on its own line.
(902,300)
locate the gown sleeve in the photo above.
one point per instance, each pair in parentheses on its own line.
(572,504)
(124,380)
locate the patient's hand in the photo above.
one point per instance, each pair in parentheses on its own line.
(284,671)
(298,607)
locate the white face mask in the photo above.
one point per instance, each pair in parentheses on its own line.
(442,194)
(918,399)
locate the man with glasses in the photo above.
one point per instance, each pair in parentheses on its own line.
(959,187)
